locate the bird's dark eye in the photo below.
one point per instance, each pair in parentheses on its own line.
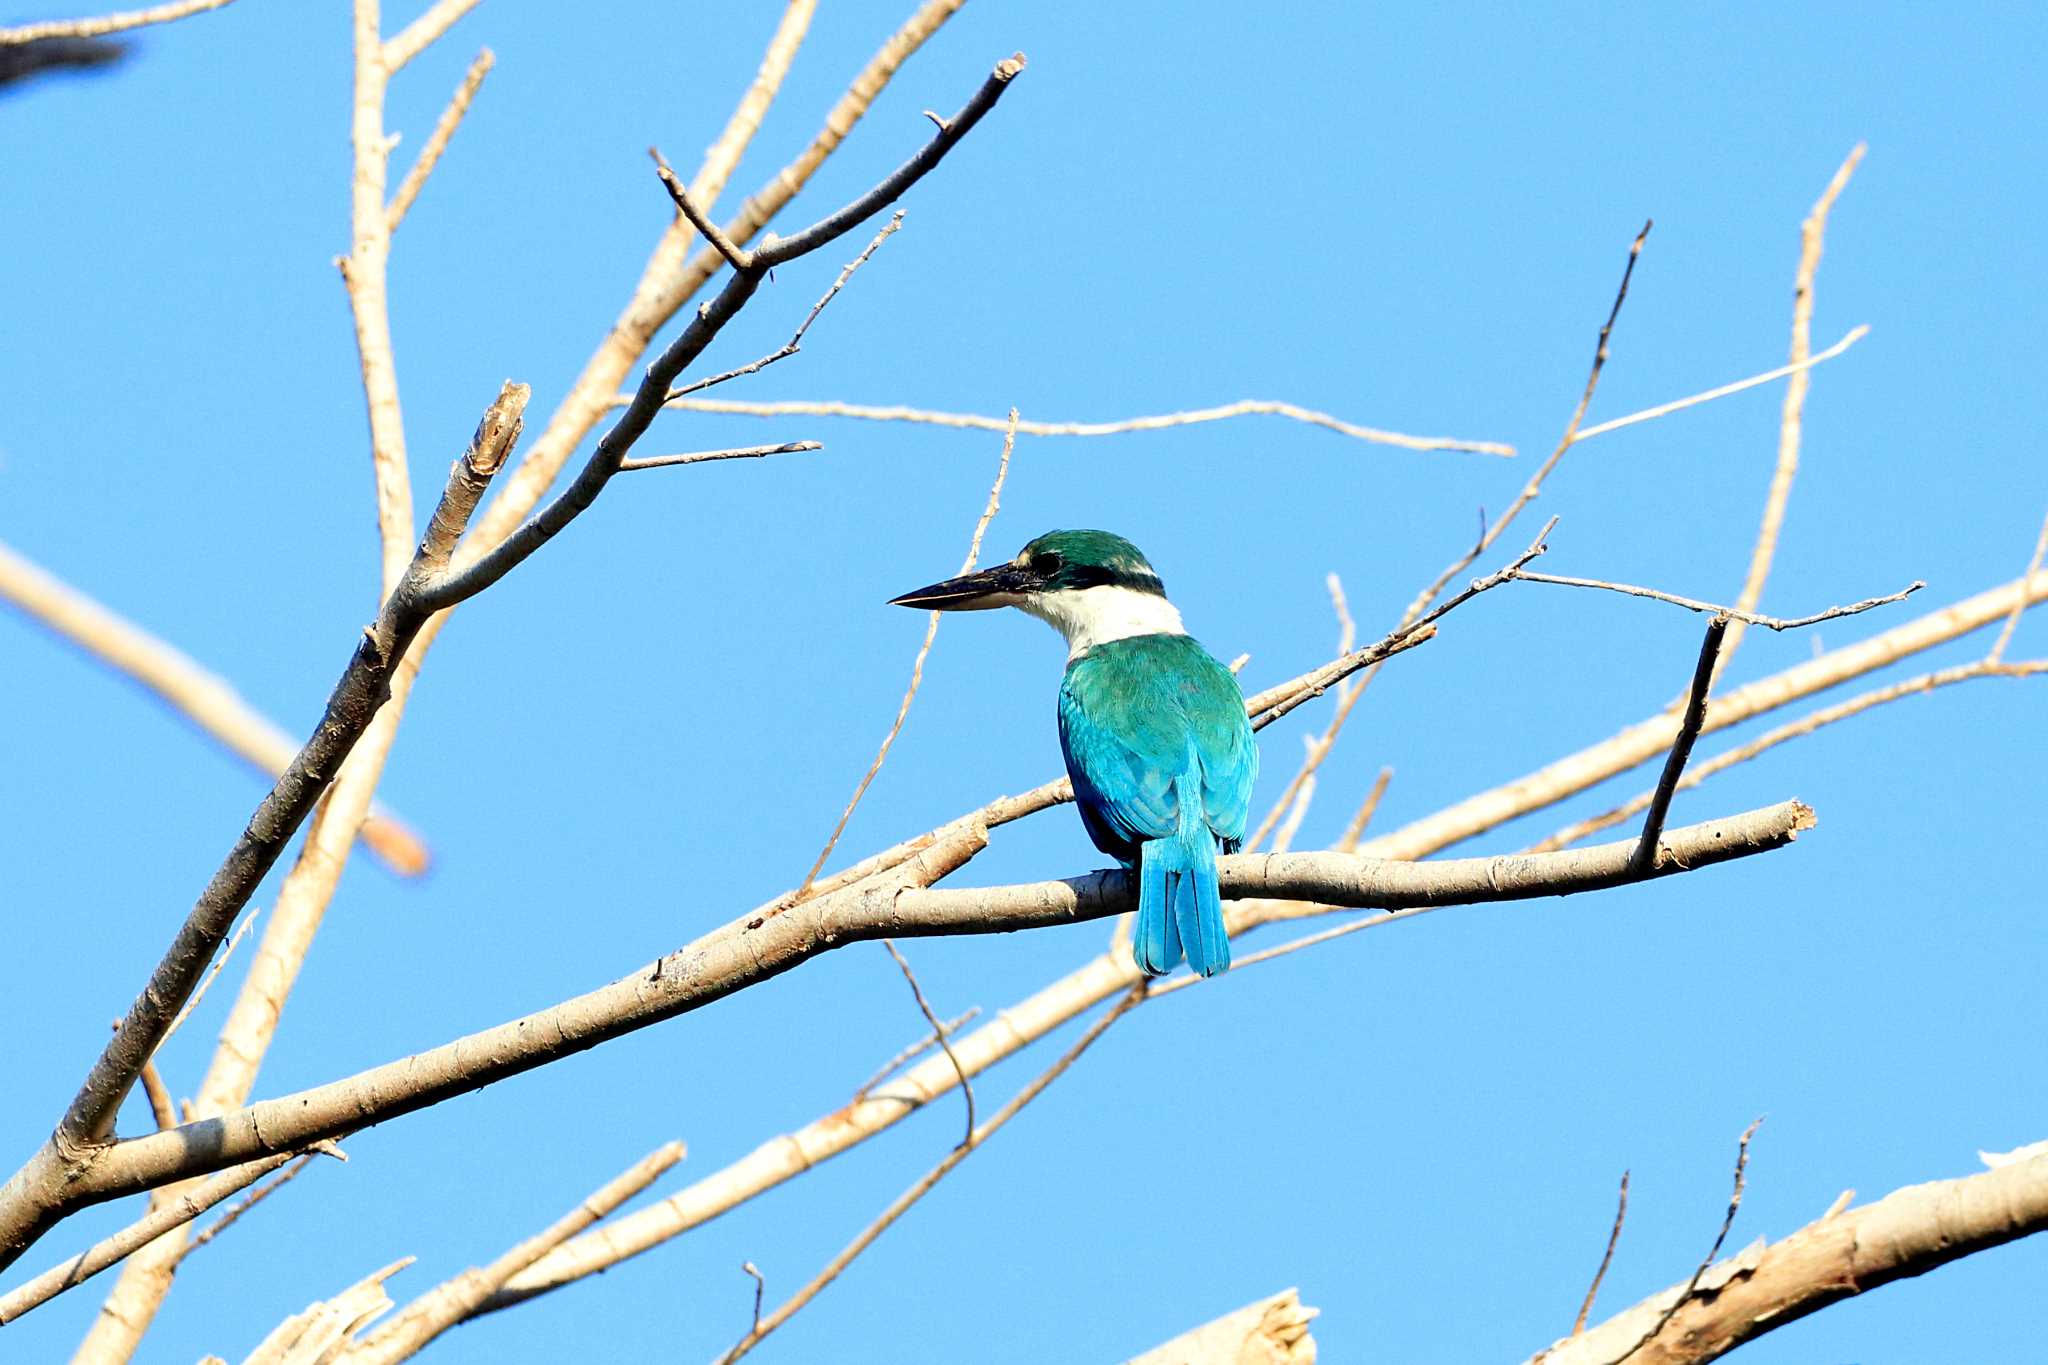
(1046,563)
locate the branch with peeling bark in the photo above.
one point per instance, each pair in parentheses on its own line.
(1844,1253)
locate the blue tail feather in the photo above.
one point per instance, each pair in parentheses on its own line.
(1180,911)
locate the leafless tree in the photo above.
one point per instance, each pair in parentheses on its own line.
(226,1144)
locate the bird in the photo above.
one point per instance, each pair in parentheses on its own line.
(1152,727)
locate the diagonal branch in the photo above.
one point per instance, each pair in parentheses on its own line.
(37,1195)
(440,1308)
(495,562)
(202,697)
(1647,844)
(106,23)
(1843,1253)
(437,141)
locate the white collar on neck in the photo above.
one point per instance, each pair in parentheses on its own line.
(1092,616)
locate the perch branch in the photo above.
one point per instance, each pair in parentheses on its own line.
(898,904)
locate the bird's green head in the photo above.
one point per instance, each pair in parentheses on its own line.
(1056,562)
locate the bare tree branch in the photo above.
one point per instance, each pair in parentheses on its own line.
(901,1204)
(1812,232)
(1646,739)
(202,697)
(159,1220)
(437,141)
(1273,1331)
(1798,729)
(897,904)
(1733,613)
(1844,1253)
(440,1308)
(35,1196)
(495,562)
(1727,1222)
(1681,747)
(707,456)
(1246,407)
(104,24)
(1854,335)
(931,632)
(1606,1257)
(421,34)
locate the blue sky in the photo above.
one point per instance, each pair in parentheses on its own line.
(1414,219)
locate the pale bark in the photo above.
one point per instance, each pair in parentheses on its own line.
(1273,1331)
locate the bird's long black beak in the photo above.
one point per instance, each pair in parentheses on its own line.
(1003,586)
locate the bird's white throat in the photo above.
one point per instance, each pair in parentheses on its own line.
(1091,616)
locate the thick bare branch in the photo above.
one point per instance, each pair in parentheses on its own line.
(1908,1232)
(1681,747)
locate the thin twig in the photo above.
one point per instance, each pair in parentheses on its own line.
(706,456)
(252,1199)
(241,930)
(902,1202)
(1355,831)
(1812,232)
(1727,1222)
(736,256)
(939,1031)
(160,1106)
(916,1049)
(931,631)
(760,1288)
(795,342)
(1319,748)
(1402,637)
(1681,747)
(106,23)
(1531,489)
(1606,1259)
(1247,407)
(437,141)
(1854,335)
(2019,608)
(1692,604)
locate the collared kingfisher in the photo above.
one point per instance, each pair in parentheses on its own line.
(1153,729)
